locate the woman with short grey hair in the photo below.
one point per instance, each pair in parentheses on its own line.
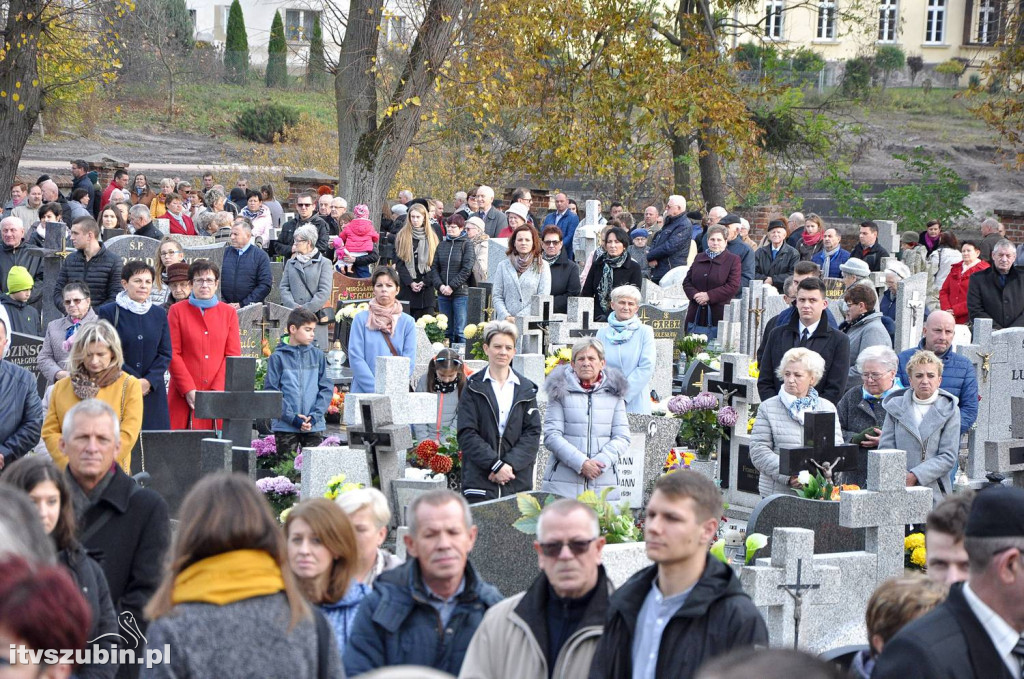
(308,275)
(629,347)
(780,419)
(860,410)
(585,425)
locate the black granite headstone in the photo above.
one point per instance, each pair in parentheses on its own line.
(666,324)
(820,449)
(173,459)
(747,476)
(25,352)
(238,405)
(694,377)
(821,516)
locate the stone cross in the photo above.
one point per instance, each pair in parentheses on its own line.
(585,329)
(730,327)
(885,509)
(754,319)
(1006,456)
(584,241)
(384,442)
(217,455)
(392,379)
(476,305)
(532,366)
(820,452)
(738,390)
(910,295)
(783,584)
(238,405)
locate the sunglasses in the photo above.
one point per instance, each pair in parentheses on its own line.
(553,549)
(303,205)
(552,242)
(446,363)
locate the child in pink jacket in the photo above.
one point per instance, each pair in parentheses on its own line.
(358,236)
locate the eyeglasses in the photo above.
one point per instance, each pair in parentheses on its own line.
(204,281)
(553,549)
(874,376)
(74,302)
(552,242)
(303,205)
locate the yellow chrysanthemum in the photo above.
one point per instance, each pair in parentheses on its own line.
(913,541)
(918,557)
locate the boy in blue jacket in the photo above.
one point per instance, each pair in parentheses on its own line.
(299,371)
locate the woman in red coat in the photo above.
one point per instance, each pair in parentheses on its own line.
(953,296)
(179,219)
(204,332)
(712,281)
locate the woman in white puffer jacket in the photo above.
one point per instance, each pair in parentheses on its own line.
(585,426)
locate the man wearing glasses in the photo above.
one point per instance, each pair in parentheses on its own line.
(325,210)
(305,206)
(557,622)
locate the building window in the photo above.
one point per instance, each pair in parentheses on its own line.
(298,24)
(773,19)
(220,21)
(887,18)
(935,22)
(397,29)
(826,20)
(988,22)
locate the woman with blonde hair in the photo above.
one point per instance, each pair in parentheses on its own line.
(228,603)
(95,365)
(158,206)
(415,245)
(323,556)
(368,510)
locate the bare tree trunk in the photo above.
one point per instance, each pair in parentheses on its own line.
(712,186)
(370,152)
(681,179)
(21,100)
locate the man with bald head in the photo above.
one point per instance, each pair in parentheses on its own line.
(796,228)
(671,245)
(52,194)
(958,376)
(15,252)
(565,219)
(494,219)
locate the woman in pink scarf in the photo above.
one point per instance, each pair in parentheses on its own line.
(382,330)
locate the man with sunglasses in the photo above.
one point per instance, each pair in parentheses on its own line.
(553,628)
(306,213)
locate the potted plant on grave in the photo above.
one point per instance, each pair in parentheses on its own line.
(440,457)
(705,422)
(435,327)
(817,487)
(280,492)
(267,458)
(475,350)
(557,357)
(915,558)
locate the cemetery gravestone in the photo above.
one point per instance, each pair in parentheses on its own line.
(384,442)
(910,299)
(495,250)
(392,380)
(741,491)
(651,437)
(323,463)
(887,235)
(735,388)
(820,453)
(174,462)
(693,380)
(238,405)
(503,556)
(250,330)
(406,490)
(347,289)
(820,516)
(24,352)
(218,455)
(670,325)
(660,384)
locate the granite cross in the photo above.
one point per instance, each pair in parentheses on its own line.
(585,329)
(238,405)
(820,452)
(383,441)
(885,509)
(1007,456)
(738,392)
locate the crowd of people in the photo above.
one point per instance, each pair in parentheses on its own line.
(320,593)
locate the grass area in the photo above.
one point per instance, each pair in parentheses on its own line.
(938,103)
(212,109)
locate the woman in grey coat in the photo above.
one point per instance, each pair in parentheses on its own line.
(308,275)
(863,325)
(585,425)
(53,355)
(520,277)
(780,419)
(924,421)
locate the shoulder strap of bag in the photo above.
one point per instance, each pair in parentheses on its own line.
(323,638)
(391,346)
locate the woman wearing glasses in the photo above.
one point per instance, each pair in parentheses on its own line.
(445,378)
(170,252)
(204,332)
(56,347)
(585,426)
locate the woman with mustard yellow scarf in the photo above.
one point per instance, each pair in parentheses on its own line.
(228,606)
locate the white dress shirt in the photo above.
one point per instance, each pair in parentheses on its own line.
(1003,636)
(505,395)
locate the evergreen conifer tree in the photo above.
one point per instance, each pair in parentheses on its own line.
(277,55)
(236,46)
(316,68)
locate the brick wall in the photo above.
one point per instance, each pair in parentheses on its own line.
(1013,220)
(759,216)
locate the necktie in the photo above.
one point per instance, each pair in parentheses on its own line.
(1018,654)
(804,336)
(481,214)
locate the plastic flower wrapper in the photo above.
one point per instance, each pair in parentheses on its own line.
(804,477)
(680,404)
(728,416)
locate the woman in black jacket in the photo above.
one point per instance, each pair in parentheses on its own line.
(453,265)
(610,270)
(499,423)
(565,273)
(415,248)
(48,489)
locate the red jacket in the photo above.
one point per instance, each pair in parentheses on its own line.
(105,198)
(189,230)
(953,294)
(200,343)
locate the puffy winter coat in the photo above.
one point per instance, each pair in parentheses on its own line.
(670,246)
(24,318)
(102,274)
(511,641)
(866,331)
(484,451)
(397,625)
(245,278)
(453,265)
(954,290)
(581,425)
(933,446)
(21,418)
(775,428)
(958,379)
(26,256)
(940,263)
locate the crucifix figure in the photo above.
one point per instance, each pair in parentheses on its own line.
(369,439)
(915,305)
(728,387)
(383,441)
(585,329)
(546,307)
(796,590)
(819,444)
(985,365)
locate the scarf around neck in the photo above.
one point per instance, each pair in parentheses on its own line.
(520,262)
(202,304)
(798,407)
(620,332)
(86,386)
(421,250)
(812,239)
(711,253)
(382,318)
(550,259)
(228,577)
(128,304)
(607,282)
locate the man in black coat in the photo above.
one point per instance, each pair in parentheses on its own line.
(672,617)
(565,274)
(775,260)
(141,220)
(869,249)
(998,292)
(305,206)
(90,262)
(15,251)
(807,328)
(973,634)
(80,173)
(670,247)
(123,526)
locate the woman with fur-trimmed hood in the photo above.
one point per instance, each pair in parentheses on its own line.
(585,426)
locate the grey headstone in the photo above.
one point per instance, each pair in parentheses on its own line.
(277,272)
(503,556)
(249,319)
(321,464)
(910,305)
(217,455)
(670,325)
(174,461)
(655,436)
(404,491)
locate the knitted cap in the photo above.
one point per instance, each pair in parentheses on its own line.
(18,279)
(856,267)
(638,233)
(361,211)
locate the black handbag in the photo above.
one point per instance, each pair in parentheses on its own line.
(710,329)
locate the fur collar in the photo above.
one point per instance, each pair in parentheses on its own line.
(563,380)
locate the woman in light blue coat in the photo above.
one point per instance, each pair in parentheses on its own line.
(382,330)
(924,421)
(629,347)
(585,425)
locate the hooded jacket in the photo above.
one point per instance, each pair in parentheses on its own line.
(716,618)
(933,446)
(300,374)
(23,316)
(512,640)
(581,425)
(484,452)
(866,331)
